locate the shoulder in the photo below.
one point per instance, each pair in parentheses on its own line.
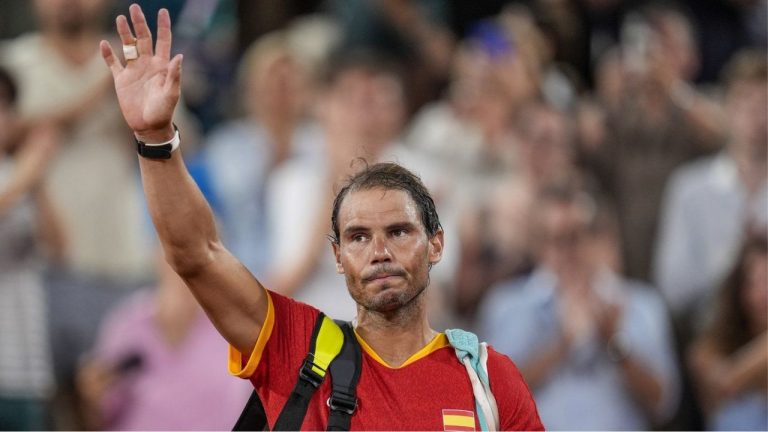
(692,177)
(127,325)
(501,367)
(21,51)
(522,292)
(517,409)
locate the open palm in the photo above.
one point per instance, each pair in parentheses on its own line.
(147,87)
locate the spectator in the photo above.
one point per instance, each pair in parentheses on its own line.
(711,203)
(274,129)
(730,358)
(595,347)
(545,154)
(28,229)
(412,31)
(93,179)
(154,366)
(659,122)
(362,109)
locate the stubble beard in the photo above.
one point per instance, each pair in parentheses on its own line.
(388,302)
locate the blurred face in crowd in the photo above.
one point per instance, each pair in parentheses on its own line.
(564,241)
(510,208)
(487,88)
(368,104)
(384,251)
(747,109)
(70,16)
(277,87)
(546,148)
(755,293)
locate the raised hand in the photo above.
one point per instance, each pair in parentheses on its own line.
(147,87)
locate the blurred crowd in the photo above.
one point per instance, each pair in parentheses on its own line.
(599,166)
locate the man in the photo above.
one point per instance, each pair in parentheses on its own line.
(362,114)
(62,81)
(386,237)
(594,346)
(711,203)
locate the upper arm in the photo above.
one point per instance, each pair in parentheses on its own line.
(231,296)
(517,408)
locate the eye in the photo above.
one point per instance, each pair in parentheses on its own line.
(358,237)
(399,232)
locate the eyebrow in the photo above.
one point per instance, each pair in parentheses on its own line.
(355,229)
(360,228)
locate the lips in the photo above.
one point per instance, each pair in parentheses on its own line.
(384,275)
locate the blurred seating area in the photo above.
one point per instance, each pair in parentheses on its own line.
(600,168)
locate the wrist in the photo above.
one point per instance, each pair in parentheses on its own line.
(159,150)
(154,136)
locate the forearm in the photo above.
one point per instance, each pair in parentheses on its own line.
(748,367)
(29,169)
(537,369)
(182,218)
(51,231)
(645,387)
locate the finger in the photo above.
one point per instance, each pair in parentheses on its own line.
(173,75)
(143,35)
(124,30)
(163,46)
(109,57)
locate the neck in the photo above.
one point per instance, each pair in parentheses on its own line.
(396,335)
(76,47)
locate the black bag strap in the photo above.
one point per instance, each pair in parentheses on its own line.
(345,374)
(295,408)
(253,417)
(345,371)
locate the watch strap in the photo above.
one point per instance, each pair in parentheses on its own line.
(160,150)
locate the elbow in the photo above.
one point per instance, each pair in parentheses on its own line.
(188,262)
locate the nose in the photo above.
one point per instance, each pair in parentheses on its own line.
(380,251)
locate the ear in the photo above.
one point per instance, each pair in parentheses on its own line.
(436,247)
(337,255)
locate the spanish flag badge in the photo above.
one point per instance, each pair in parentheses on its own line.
(458,420)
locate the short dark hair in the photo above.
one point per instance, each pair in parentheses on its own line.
(376,63)
(389,176)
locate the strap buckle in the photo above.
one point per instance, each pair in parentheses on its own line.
(343,402)
(308,374)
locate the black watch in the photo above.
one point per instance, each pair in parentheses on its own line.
(162,151)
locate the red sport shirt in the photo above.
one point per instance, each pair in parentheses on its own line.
(430,391)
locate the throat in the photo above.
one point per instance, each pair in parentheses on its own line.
(394,344)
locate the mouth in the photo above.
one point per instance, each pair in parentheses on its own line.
(383,277)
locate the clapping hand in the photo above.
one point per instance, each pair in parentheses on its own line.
(147,86)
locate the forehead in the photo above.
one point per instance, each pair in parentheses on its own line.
(377,206)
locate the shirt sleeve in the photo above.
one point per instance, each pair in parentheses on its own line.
(281,347)
(677,261)
(517,409)
(648,331)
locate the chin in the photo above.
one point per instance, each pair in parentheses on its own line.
(387,300)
